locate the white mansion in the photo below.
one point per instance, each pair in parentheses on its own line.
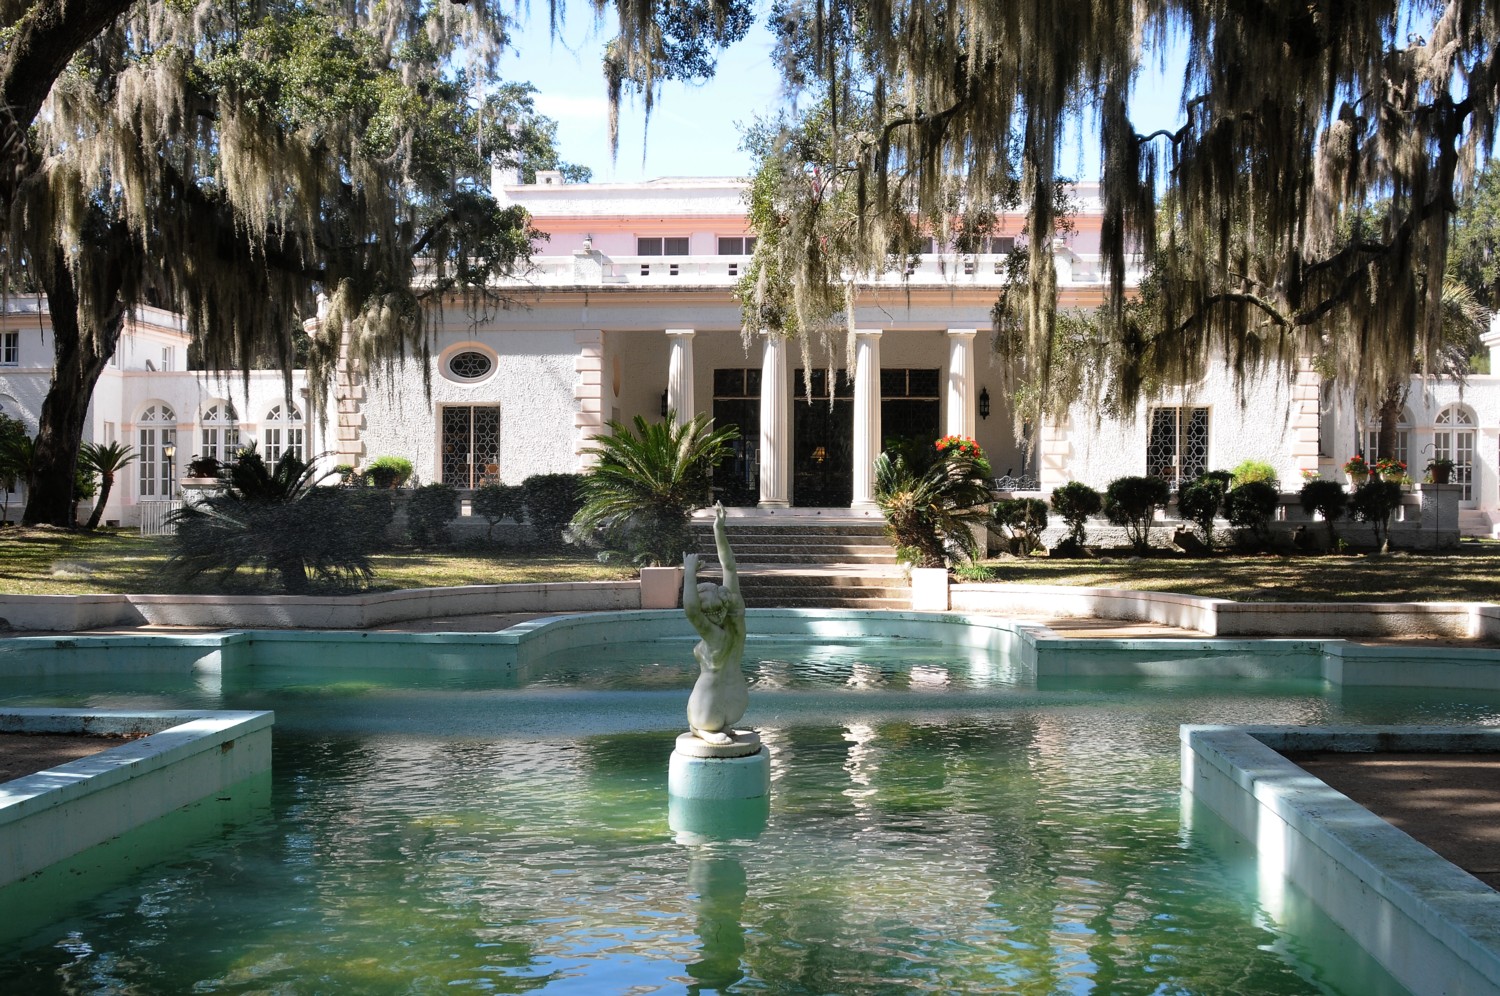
(628,311)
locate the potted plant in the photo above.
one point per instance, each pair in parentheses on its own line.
(1389,469)
(1439,470)
(1357,469)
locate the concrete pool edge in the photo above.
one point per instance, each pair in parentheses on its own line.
(188,755)
(1037,649)
(1432,925)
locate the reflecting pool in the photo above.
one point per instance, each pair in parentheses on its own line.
(938,823)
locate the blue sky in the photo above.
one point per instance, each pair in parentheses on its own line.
(694,130)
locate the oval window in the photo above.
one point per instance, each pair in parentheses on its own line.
(470,365)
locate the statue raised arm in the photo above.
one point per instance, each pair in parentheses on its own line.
(717,612)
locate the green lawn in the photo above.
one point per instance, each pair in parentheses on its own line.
(55,562)
(1469,574)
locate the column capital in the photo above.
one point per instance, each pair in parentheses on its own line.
(963,333)
(688,333)
(869,333)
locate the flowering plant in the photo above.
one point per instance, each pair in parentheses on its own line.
(1309,475)
(962,445)
(1388,467)
(1357,466)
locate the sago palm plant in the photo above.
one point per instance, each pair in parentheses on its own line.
(277,521)
(646,484)
(932,507)
(106,460)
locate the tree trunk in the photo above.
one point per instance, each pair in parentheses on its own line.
(1389,415)
(106,484)
(77,363)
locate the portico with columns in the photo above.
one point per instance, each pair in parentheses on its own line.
(936,393)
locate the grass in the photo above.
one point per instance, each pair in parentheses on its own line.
(46,561)
(55,562)
(1469,574)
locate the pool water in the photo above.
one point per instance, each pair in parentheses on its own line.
(937,824)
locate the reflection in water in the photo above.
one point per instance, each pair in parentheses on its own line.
(717,883)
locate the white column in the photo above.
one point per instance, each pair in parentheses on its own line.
(866,415)
(680,374)
(588,395)
(960,395)
(775,423)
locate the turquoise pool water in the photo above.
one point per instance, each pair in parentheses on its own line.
(938,824)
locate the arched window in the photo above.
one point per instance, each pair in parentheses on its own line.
(1403,440)
(1453,439)
(283,433)
(219,432)
(156,430)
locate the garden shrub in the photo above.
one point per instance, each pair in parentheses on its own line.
(647,480)
(974,572)
(431,508)
(204,466)
(1328,499)
(930,506)
(1254,471)
(1075,502)
(388,471)
(1022,521)
(1133,502)
(1375,502)
(1251,507)
(498,501)
(1200,501)
(275,521)
(551,501)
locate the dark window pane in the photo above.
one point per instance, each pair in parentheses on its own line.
(923,383)
(648,247)
(893,383)
(729,383)
(749,244)
(845,386)
(731,246)
(674,247)
(752,382)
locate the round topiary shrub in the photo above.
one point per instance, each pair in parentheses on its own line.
(551,501)
(432,507)
(1328,499)
(1251,507)
(1075,502)
(1133,502)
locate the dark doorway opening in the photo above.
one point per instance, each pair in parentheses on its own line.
(823,440)
(737,403)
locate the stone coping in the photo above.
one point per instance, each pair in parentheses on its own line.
(1211,616)
(1032,649)
(187,755)
(1435,927)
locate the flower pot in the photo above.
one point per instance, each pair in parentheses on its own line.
(1441,475)
(1357,480)
(661,587)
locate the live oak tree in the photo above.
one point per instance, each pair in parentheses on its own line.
(234,161)
(1297,114)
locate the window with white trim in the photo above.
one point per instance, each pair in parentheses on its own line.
(736,245)
(1177,444)
(219,432)
(1453,439)
(662,246)
(10,349)
(156,428)
(1403,441)
(281,433)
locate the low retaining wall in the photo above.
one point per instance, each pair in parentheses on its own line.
(1221,617)
(55,814)
(1432,925)
(71,613)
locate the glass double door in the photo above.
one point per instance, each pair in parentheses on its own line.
(822,430)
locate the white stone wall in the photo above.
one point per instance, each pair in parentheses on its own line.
(1255,423)
(533,383)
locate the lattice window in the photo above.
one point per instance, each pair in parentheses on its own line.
(283,433)
(1177,448)
(156,429)
(470,365)
(471,445)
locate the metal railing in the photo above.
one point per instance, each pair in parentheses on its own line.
(155,516)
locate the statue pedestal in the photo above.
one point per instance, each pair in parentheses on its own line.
(737,770)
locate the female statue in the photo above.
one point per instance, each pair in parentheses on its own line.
(720,694)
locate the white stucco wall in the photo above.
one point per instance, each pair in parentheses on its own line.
(533,383)
(1252,423)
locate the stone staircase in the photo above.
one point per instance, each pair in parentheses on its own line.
(810,561)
